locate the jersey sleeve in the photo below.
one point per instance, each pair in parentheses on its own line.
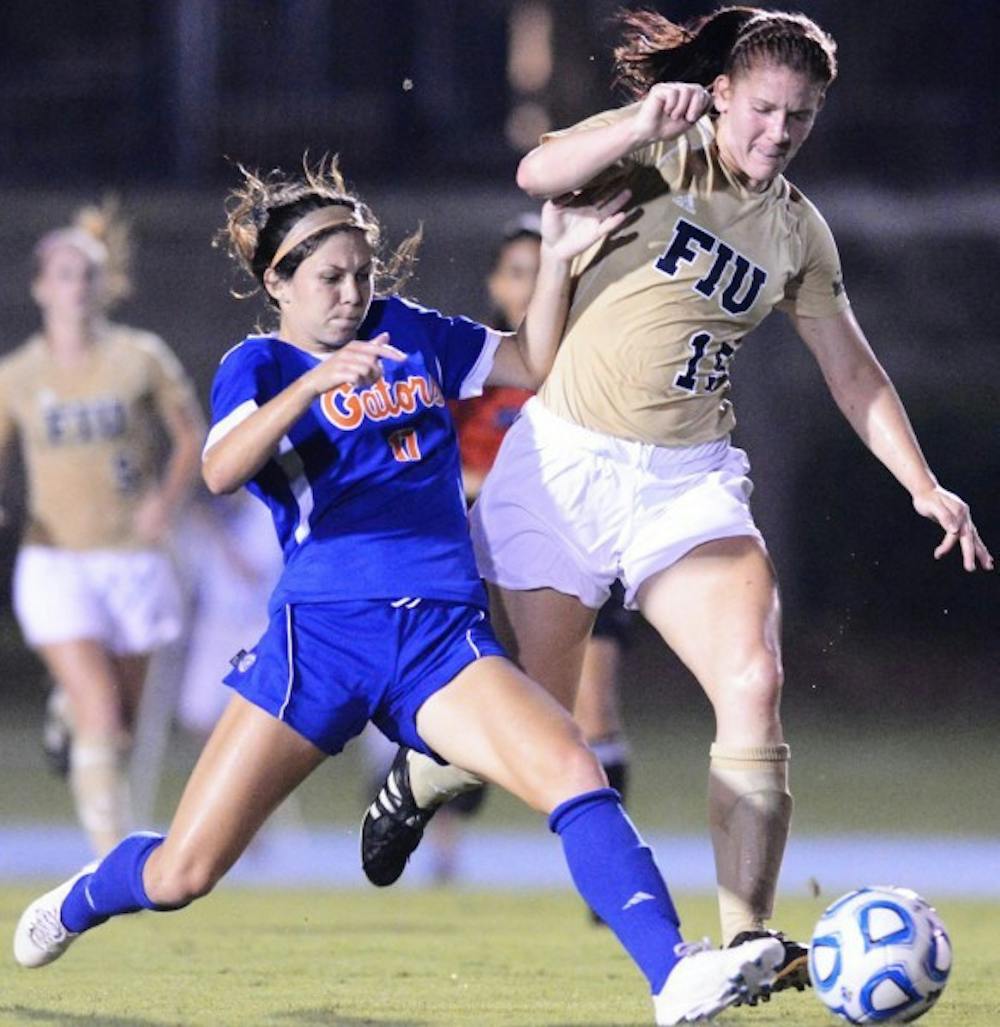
(462,349)
(246,379)
(818,289)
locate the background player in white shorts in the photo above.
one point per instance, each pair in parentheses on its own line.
(94,592)
(621,467)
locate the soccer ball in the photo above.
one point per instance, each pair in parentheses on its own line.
(879,955)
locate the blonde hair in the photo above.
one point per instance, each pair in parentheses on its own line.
(104,236)
(265,207)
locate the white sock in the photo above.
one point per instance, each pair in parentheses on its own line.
(433,784)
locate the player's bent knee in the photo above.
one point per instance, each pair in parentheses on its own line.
(575,771)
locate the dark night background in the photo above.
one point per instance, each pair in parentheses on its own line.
(430,104)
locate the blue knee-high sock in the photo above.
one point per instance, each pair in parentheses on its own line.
(614,871)
(114,887)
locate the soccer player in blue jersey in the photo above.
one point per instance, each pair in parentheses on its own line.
(338,422)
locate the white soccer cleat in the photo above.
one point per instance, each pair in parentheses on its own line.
(40,936)
(708,980)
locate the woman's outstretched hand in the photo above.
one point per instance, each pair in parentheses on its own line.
(571,226)
(952,513)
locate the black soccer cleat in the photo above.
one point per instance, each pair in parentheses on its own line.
(793,971)
(392,826)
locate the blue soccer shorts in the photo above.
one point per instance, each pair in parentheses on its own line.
(326,669)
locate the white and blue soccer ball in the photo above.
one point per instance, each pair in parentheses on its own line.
(879,955)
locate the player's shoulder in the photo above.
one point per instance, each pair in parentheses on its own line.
(127,346)
(254,349)
(599,120)
(128,337)
(23,358)
(799,204)
(411,321)
(385,310)
(809,224)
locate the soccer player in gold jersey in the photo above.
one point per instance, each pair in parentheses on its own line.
(621,467)
(94,591)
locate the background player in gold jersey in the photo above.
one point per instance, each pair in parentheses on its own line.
(621,467)
(94,593)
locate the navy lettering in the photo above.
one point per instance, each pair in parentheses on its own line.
(707,285)
(680,249)
(100,419)
(745,283)
(688,381)
(732,305)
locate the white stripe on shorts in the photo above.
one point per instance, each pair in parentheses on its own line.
(468,638)
(290,656)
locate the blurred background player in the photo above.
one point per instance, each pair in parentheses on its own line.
(94,591)
(229,563)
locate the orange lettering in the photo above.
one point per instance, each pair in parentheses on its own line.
(350,416)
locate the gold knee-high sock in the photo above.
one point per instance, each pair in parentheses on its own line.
(432,784)
(98,778)
(749,813)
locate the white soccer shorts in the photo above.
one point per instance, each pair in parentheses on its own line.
(571,509)
(127,600)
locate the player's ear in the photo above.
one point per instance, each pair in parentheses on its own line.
(722,90)
(276,286)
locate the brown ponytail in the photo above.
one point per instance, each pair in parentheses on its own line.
(729,41)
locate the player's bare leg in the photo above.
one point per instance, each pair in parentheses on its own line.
(497,722)
(598,711)
(250,764)
(718,609)
(131,671)
(546,633)
(88,676)
(528,745)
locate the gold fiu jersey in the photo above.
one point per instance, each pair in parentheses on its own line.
(87,434)
(660,309)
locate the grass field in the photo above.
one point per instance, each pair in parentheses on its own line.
(408,959)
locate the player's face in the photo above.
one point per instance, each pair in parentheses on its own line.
(765,115)
(513,279)
(325,301)
(69,286)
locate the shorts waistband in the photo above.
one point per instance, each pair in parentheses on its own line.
(558,431)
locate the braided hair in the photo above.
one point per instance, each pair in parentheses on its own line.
(729,41)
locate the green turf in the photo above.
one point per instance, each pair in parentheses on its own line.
(407,959)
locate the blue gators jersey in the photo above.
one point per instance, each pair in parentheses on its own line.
(365,489)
